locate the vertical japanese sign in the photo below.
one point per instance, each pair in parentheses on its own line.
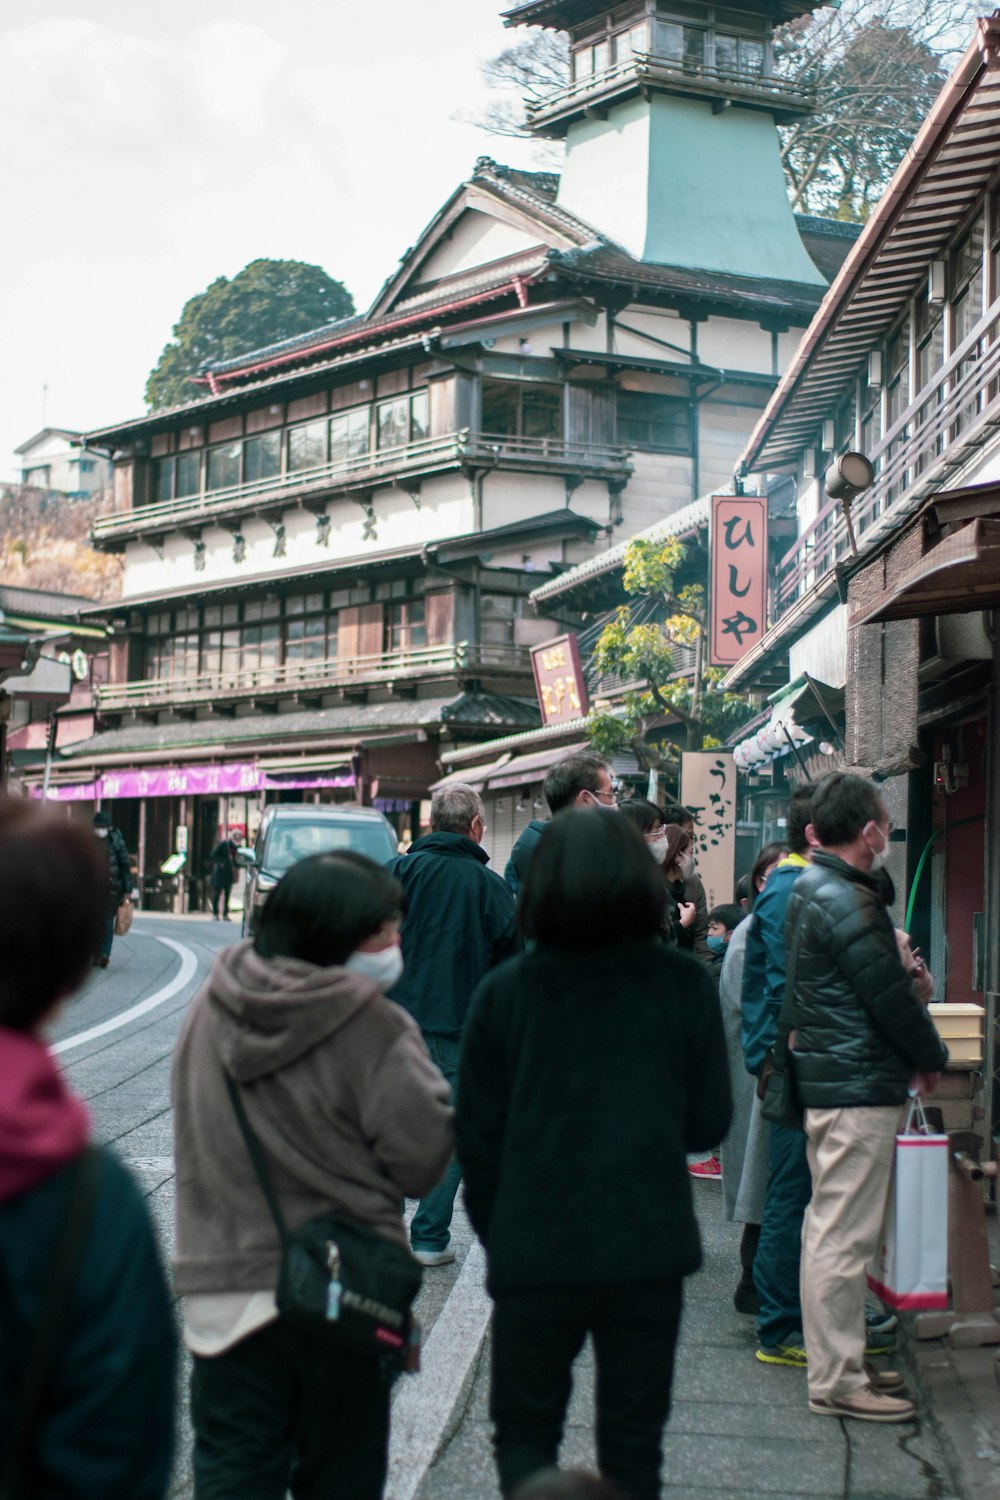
(739,576)
(708,790)
(562,692)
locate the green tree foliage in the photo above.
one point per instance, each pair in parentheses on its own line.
(638,650)
(267,301)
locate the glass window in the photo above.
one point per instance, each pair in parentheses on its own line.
(349,435)
(250,647)
(694,50)
(640,37)
(262,457)
(751,57)
(513,410)
(726,53)
(497,615)
(212,614)
(211,645)
(163,479)
(602,56)
(654,422)
(253,609)
(224,466)
(670,41)
(405,628)
(185,655)
(305,639)
(270,645)
(188,474)
(307,446)
(230,614)
(418,417)
(229,663)
(393,423)
(187,619)
(583,62)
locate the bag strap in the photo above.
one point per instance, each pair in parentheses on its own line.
(786,1016)
(61,1275)
(257,1157)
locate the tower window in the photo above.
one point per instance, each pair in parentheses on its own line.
(657,423)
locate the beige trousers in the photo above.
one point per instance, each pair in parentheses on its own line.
(851,1153)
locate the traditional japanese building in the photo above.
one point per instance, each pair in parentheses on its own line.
(902,365)
(327,552)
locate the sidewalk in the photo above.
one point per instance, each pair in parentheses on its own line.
(740,1428)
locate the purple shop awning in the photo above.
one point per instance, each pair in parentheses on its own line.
(227,779)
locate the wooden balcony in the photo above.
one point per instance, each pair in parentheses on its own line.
(405,466)
(312,678)
(947,423)
(645,71)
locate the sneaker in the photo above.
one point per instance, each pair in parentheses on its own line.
(878,1319)
(792,1354)
(706,1171)
(745,1298)
(866,1405)
(884,1380)
(435,1257)
(879,1343)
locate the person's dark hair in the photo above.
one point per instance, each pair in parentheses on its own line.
(54,901)
(102,820)
(325,906)
(729,915)
(576,773)
(798,818)
(841,806)
(645,815)
(744,890)
(569,1484)
(676,812)
(591,883)
(769,855)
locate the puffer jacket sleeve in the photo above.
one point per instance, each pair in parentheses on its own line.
(406,1115)
(863,946)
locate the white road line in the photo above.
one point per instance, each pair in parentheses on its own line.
(185,974)
(422,1410)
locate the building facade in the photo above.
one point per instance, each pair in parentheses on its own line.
(57,459)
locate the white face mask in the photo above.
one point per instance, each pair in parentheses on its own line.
(658,849)
(878,855)
(686,866)
(384,966)
(595,801)
(102,833)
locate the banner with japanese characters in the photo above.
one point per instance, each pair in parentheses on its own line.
(738,601)
(708,791)
(562,692)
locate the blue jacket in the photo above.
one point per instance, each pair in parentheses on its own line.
(460,921)
(764,964)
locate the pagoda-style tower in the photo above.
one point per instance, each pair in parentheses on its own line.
(669,120)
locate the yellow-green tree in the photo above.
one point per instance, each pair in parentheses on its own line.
(645,651)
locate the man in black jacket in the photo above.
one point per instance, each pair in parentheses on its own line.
(860,1034)
(119,879)
(460,921)
(582,779)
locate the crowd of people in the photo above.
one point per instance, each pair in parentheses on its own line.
(579,1042)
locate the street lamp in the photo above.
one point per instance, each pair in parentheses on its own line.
(845,480)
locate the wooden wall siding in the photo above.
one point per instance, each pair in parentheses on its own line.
(119,659)
(440,618)
(265,417)
(225,429)
(308,406)
(392,382)
(190,437)
(602,413)
(162,443)
(123,484)
(359,631)
(578,414)
(442,407)
(354,394)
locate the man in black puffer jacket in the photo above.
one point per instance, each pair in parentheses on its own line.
(860,1035)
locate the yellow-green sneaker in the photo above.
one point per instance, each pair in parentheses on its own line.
(792,1354)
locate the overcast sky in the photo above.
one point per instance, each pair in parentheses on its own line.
(151,148)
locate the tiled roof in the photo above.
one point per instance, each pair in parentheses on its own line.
(469,710)
(680,523)
(40,601)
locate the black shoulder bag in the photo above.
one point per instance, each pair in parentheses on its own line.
(776,1084)
(338,1280)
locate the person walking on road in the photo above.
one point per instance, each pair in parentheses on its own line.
(860,1035)
(460,922)
(118,881)
(223,875)
(579,780)
(350,1114)
(590,1064)
(87,1345)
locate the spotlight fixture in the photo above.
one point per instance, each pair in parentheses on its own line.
(846,478)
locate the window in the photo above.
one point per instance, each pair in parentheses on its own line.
(930,341)
(498,613)
(349,435)
(967,281)
(583,62)
(306,628)
(402,420)
(174,478)
(307,446)
(224,466)
(897,359)
(405,627)
(510,409)
(262,457)
(655,422)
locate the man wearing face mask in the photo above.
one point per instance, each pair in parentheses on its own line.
(859,1035)
(460,921)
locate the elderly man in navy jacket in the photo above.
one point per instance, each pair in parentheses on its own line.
(460,921)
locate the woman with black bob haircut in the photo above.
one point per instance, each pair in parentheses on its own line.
(591,1064)
(350,1114)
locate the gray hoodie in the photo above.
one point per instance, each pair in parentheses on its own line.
(349,1110)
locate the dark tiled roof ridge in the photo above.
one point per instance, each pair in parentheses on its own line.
(844,229)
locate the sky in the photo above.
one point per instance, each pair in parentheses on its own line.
(151,148)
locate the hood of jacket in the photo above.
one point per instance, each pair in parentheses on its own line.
(43,1126)
(449,843)
(267,1012)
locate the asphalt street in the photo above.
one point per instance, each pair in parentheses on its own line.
(737,1428)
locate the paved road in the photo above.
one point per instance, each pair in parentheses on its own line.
(738,1429)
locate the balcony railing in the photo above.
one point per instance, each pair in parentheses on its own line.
(645,68)
(410,461)
(934,437)
(233,684)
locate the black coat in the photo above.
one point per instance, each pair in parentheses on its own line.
(860,1029)
(119,869)
(585,1077)
(460,920)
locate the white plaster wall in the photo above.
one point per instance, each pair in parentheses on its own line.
(540,339)
(605,174)
(476,239)
(734,344)
(589,336)
(822,650)
(660,484)
(446,510)
(662,325)
(515,497)
(984,467)
(722,436)
(787,345)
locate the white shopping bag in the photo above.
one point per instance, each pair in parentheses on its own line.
(911,1269)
